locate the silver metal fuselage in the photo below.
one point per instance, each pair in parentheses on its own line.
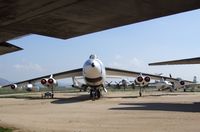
(94,73)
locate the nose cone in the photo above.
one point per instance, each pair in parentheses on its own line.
(92,69)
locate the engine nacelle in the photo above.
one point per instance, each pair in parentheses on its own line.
(142,81)
(182,83)
(147,80)
(178,84)
(52,81)
(139,80)
(13,86)
(48,82)
(29,87)
(44,81)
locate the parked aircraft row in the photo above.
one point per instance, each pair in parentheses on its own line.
(195,60)
(94,74)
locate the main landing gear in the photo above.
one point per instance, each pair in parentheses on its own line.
(142,88)
(95,94)
(49,94)
(140,92)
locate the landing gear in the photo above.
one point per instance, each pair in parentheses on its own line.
(48,94)
(95,94)
(141,89)
(184,89)
(52,91)
(140,92)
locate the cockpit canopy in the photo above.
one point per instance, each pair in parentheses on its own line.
(93,56)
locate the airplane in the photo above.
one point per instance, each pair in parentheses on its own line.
(194,85)
(195,60)
(162,85)
(66,19)
(94,74)
(118,84)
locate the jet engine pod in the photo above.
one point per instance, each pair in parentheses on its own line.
(142,81)
(139,80)
(43,81)
(182,83)
(147,79)
(51,81)
(13,86)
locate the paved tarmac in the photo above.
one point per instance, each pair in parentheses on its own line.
(115,112)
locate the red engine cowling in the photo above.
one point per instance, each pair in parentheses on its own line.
(51,81)
(48,82)
(142,81)
(43,81)
(139,80)
(147,80)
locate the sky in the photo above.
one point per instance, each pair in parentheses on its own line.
(129,47)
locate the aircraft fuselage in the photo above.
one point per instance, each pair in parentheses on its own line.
(94,72)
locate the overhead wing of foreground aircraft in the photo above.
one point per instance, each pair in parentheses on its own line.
(178,62)
(94,74)
(70,18)
(8,48)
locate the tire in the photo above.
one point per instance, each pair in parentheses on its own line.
(98,93)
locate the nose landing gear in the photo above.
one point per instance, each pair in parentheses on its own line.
(95,94)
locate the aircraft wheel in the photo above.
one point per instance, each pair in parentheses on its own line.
(98,93)
(140,93)
(93,94)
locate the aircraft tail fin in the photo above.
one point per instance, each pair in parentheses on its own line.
(195,79)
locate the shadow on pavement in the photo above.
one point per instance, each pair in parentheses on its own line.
(178,107)
(75,99)
(55,100)
(124,97)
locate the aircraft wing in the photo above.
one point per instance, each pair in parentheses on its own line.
(71,18)
(119,72)
(8,48)
(61,75)
(109,71)
(178,62)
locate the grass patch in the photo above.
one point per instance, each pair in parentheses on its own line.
(5,129)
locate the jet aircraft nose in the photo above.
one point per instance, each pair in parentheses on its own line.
(92,69)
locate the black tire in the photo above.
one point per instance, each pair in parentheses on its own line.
(98,93)
(93,95)
(90,93)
